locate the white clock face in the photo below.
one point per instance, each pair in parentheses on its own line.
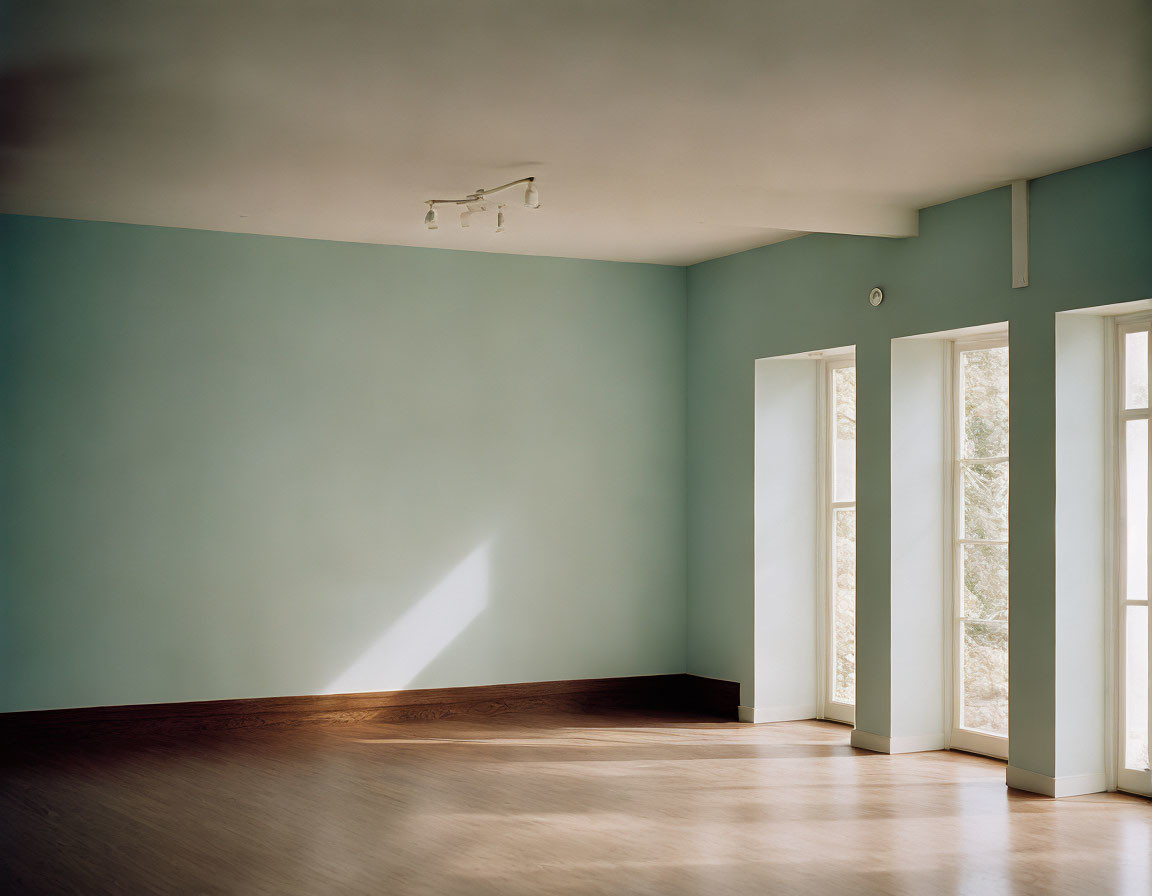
(875,297)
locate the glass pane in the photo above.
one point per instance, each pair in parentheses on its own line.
(985,587)
(1136,509)
(984,389)
(984,705)
(1136,369)
(1136,689)
(985,505)
(844,607)
(844,426)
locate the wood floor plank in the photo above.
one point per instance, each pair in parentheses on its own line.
(543,803)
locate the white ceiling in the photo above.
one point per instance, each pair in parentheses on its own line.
(660,131)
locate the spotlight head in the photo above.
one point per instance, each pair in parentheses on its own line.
(500,220)
(466,218)
(430,219)
(532,195)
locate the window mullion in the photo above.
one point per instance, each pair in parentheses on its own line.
(1148,549)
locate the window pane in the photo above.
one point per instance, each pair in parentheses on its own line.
(985,504)
(844,424)
(1136,369)
(985,669)
(1136,508)
(985,587)
(1136,689)
(844,607)
(984,392)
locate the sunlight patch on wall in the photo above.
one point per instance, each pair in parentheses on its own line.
(414,640)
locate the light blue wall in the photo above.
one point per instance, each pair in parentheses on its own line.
(233,464)
(1091,244)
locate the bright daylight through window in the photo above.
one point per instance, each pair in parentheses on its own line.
(1133,532)
(980,595)
(840,631)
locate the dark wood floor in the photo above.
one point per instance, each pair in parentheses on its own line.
(542,804)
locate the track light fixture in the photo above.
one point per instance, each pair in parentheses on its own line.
(475,202)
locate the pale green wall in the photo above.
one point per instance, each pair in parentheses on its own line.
(231,463)
(1091,244)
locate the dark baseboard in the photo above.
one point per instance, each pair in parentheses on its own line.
(681,693)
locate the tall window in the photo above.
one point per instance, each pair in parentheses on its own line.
(1133,623)
(840,545)
(980,571)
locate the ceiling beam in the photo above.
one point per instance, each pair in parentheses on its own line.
(808,212)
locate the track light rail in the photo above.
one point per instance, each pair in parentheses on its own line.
(480,194)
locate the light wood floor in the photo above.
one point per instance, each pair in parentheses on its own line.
(543,804)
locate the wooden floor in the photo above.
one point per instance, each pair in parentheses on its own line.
(543,804)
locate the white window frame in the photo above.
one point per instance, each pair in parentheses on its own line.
(1131,780)
(829,709)
(959,738)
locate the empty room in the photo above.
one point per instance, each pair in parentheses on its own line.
(575,447)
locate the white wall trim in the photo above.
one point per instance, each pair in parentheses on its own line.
(921,543)
(1112,552)
(1046,785)
(823,560)
(758,715)
(786,512)
(879,743)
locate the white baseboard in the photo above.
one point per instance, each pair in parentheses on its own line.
(845,715)
(866,740)
(1046,785)
(878,743)
(761,714)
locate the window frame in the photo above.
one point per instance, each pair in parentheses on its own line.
(830,709)
(1127,779)
(960,738)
